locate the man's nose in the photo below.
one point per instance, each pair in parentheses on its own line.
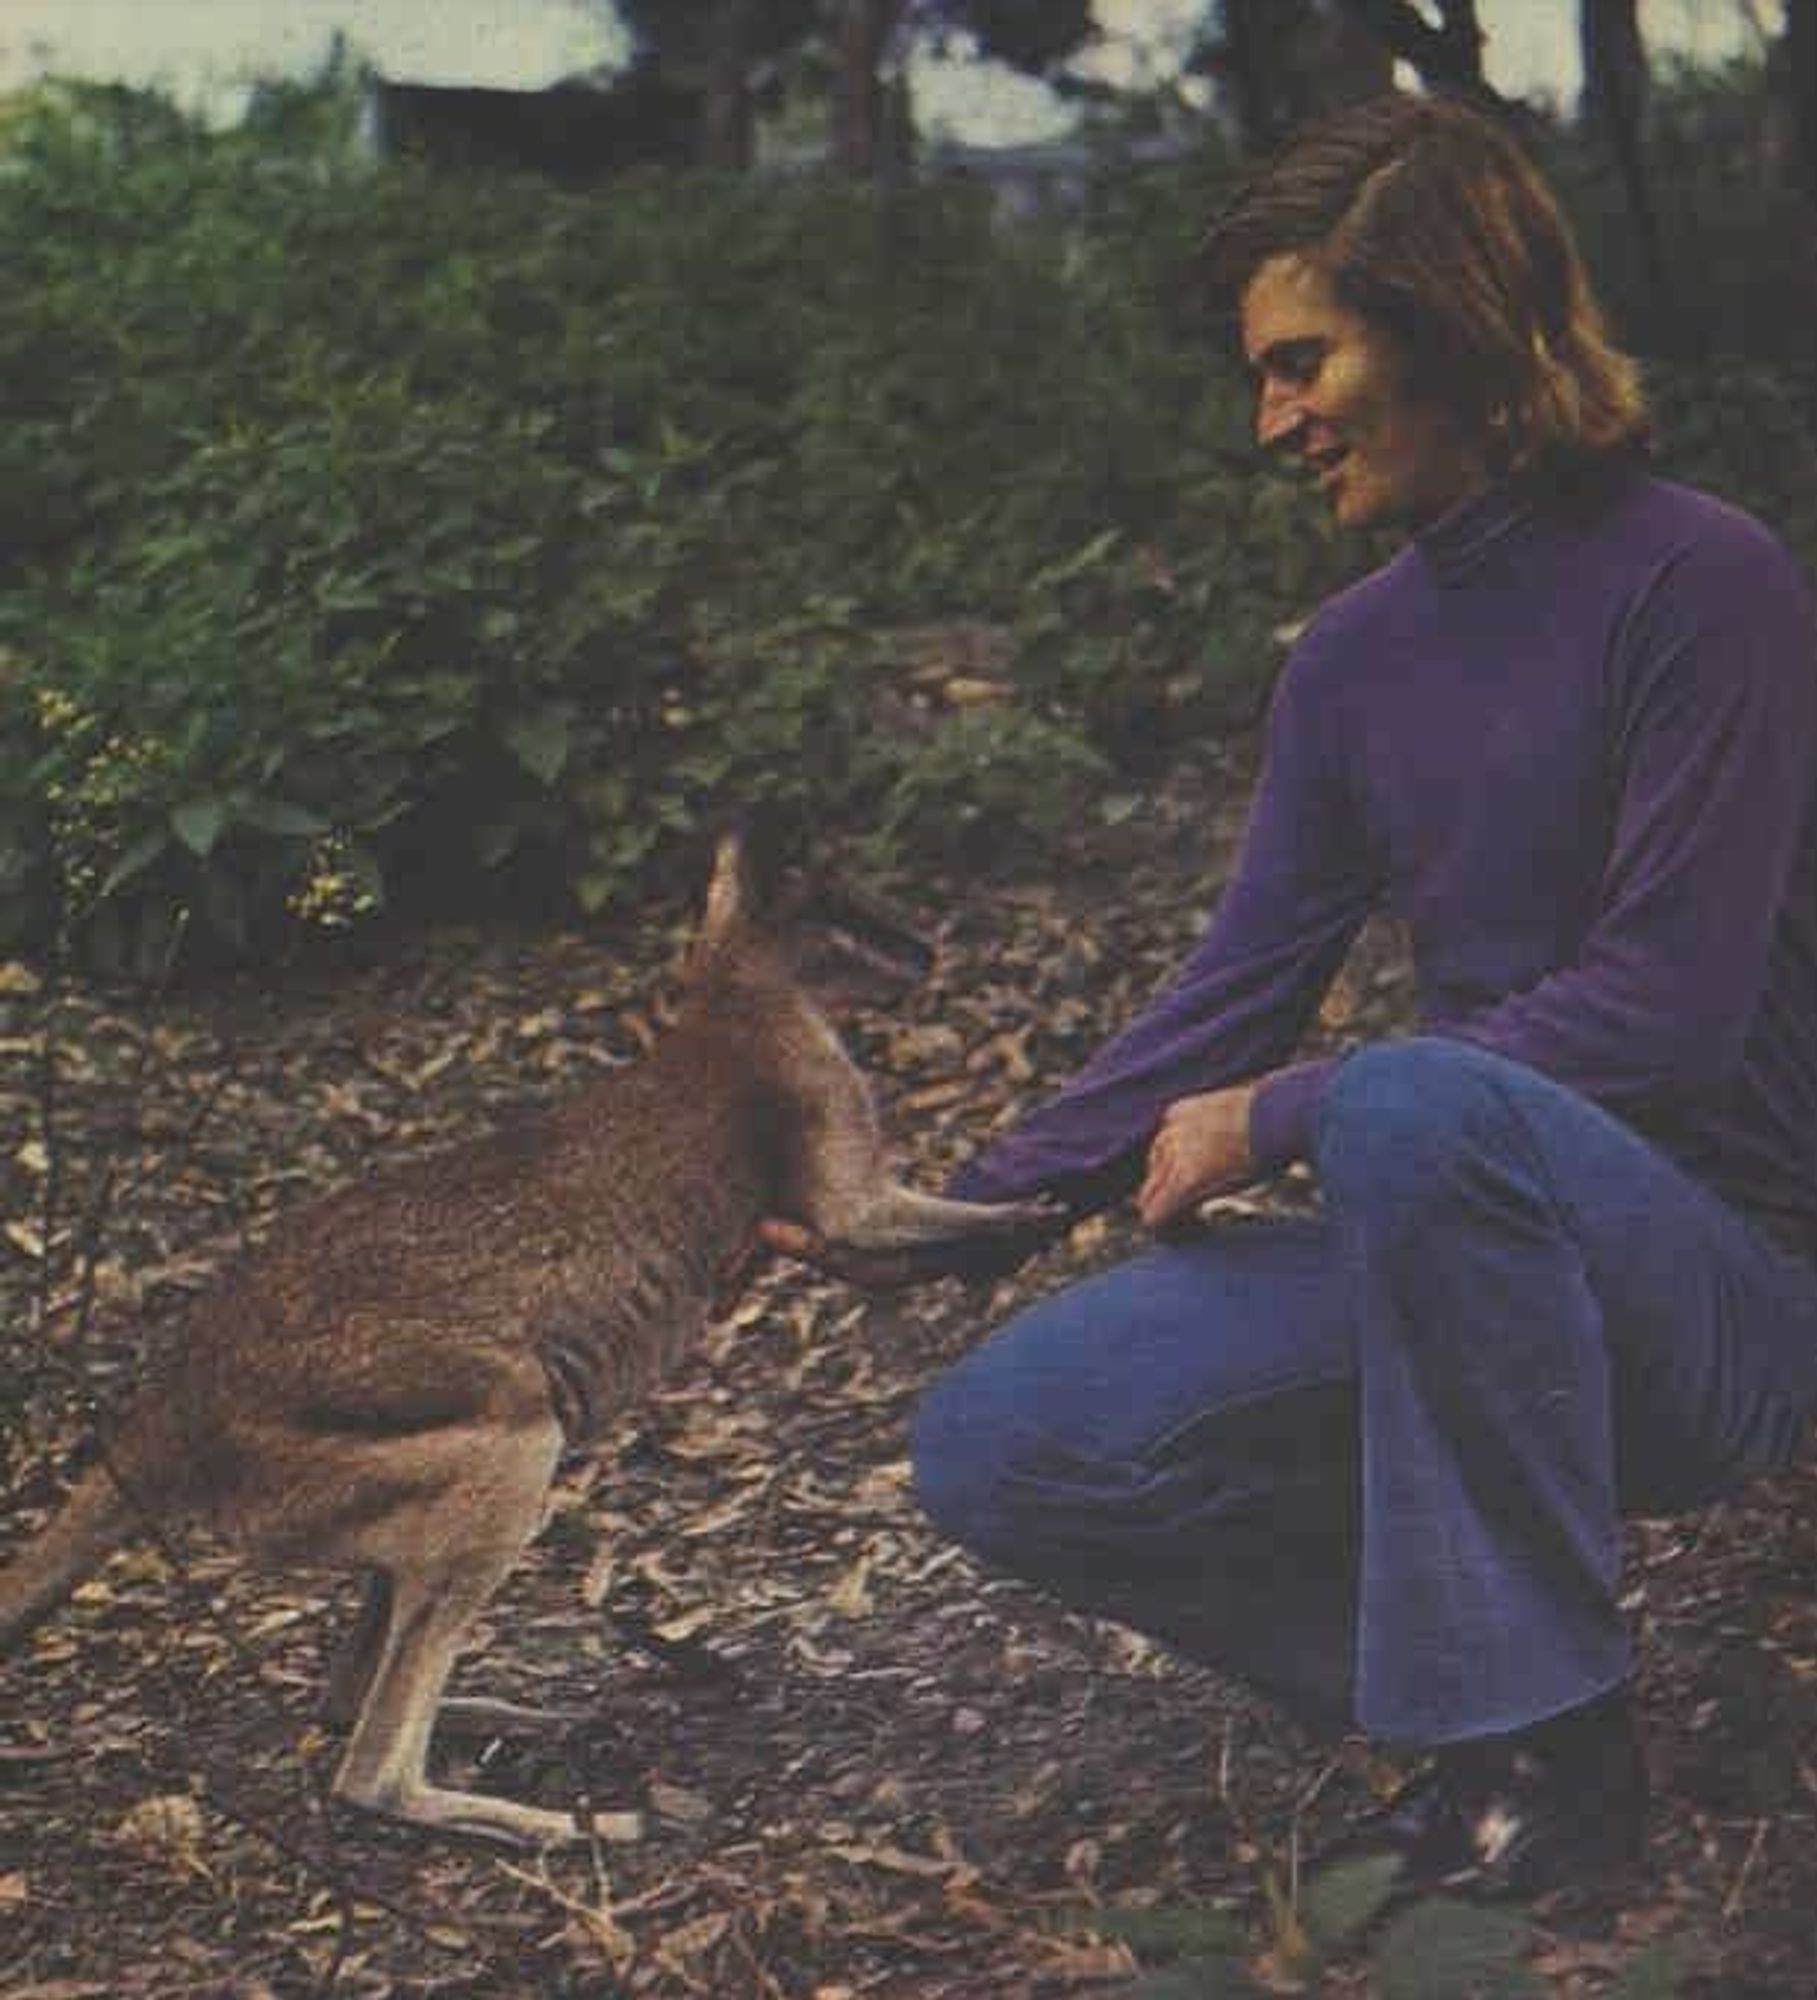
(1280,416)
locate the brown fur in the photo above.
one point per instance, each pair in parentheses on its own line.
(388,1382)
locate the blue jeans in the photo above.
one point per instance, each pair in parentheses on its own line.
(1375,1462)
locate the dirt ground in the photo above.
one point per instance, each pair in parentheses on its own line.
(865,1767)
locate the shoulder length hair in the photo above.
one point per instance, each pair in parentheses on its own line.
(1431,224)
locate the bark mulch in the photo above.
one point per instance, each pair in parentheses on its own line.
(866,1767)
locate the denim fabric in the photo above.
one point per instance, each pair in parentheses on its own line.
(1375,1462)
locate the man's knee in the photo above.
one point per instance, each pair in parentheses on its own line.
(956,1453)
(1405,1121)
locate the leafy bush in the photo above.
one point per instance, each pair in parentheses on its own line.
(369,536)
(376,536)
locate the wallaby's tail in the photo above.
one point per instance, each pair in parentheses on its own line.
(95,1520)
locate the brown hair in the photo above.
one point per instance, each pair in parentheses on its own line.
(1432,224)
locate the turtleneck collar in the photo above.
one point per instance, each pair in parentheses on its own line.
(1473,530)
(1495,519)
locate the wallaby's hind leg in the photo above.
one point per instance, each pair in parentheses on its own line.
(444,1561)
(95,1520)
(384,1768)
(350,1670)
(350,1676)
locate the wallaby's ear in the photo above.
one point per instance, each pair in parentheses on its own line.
(743,891)
(731,895)
(840,939)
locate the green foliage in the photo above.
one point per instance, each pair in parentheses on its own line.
(375,538)
(1340,1902)
(1173,1930)
(985,776)
(1198,1949)
(1744,428)
(1196,1979)
(1442,1949)
(1438,1948)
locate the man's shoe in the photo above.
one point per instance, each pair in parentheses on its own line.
(1560,1806)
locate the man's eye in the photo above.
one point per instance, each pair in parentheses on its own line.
(1299,363)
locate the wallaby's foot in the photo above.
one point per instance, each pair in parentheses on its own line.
(531,1829)
(467,1715)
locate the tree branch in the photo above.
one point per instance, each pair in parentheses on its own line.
(1448,57)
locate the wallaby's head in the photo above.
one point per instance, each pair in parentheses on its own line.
(765,957)
(831,938)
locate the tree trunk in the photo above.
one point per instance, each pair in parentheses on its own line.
(1256,63)
(1349,62)
(1614,100)
(1448,57)
(1614,111)
(726,122)
(861,111)
(1795,73)
(1246,75)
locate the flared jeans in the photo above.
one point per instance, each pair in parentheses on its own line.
(1375,1462)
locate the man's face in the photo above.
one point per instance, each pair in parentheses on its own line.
(1331,394)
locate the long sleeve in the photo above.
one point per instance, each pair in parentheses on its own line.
(1567,738)
(1301,889)
(1714,711)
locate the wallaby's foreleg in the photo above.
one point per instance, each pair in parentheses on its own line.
(889,1216)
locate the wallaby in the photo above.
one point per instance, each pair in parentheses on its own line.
(387,1383)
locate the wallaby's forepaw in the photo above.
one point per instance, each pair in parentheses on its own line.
(902,1218)
(1040,1211)
(911,1239)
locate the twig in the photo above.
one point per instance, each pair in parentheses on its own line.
(1301,1807)
(1731,1906)
(771,1990)
(328,1868)
(598,1918)
(50,1195)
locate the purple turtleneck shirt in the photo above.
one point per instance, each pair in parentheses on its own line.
(1572,744)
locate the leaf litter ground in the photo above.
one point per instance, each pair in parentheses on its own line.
(865,1766)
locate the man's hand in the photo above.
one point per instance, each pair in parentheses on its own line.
(976,1259)
(1201,1148)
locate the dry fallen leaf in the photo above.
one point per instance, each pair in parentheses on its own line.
(698,1935)
(27,1238)
(851,1597)
(768,1478)
(167,1828)
(677,1803)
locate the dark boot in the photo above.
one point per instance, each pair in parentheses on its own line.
(1558,1806)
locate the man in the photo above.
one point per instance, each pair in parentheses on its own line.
(1376,1461)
